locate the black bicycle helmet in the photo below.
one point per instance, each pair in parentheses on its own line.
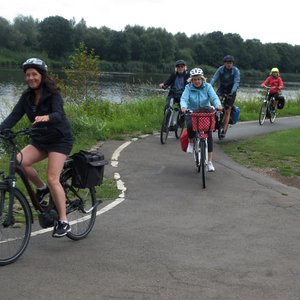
(180,62)
(35,63)
(229,58)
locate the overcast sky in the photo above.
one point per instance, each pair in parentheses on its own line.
(274,21)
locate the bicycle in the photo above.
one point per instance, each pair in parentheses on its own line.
(220,117)
(268,109)
(16,214)
(202,123)
(173,120)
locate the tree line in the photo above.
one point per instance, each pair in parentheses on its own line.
(137,49)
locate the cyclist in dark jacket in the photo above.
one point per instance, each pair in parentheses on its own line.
(43,105)
(228,76)
(176,82)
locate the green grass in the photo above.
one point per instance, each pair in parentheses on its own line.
(277,150)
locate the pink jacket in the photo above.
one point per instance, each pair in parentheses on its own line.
(274,83)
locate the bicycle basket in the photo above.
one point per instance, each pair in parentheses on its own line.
(203,121)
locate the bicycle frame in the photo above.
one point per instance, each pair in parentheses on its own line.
(171,119)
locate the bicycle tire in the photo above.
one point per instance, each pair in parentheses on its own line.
(197,156)
(81,207)
(263,113)
(220,128)
(14,237)
(202,162)
(164,131)
(273,113)
(179,127)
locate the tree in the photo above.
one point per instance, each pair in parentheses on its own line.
(56,36)
(28,28)
(82,84)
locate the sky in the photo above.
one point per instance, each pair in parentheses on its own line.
(268,21)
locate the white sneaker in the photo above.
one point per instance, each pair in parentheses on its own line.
(210,166)
(190,148)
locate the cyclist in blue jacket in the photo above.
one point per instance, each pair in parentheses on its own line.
(198,93)
(228,76)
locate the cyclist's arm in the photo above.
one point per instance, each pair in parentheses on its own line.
(216,76)
(184,99)
(214,97)
(236,81)
(12,119)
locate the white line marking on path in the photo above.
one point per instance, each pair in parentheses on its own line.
(120,185)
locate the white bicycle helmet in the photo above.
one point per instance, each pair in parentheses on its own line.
(196,72)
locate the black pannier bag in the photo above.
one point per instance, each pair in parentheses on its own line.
(88,169)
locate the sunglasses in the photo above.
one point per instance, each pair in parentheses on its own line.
(180,66)
(229,62)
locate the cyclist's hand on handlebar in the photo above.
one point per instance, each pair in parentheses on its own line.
(219,107)
(162,86)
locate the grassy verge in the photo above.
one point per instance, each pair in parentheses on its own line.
(277,150)
(104,120)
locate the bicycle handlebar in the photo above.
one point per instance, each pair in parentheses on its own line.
(8,134)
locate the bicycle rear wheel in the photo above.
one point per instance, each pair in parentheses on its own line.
(81,208)
(263,112)
(179,127)
(220,125)
(203,162)
(164,131)
(14,233)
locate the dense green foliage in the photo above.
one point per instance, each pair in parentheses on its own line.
(137,49)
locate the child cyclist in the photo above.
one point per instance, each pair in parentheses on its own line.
(275,84)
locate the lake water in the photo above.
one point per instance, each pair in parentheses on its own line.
(120,87)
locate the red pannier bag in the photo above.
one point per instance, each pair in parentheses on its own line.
(184,140)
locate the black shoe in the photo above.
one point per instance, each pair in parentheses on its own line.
(40,194)
(61,229)
(222,135)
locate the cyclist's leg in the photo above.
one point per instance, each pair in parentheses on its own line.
(191,133)
(210,165)
(55,165)
(228,103)
(30,155)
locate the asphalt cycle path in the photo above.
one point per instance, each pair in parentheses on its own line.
(167,238)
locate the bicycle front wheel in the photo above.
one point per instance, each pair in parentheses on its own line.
(203,162)
(263,113)
(165,128)
(273,113)
(81,208)
(15,230)
(197,154)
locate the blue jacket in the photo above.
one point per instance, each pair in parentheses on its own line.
(193,98)
(229,79)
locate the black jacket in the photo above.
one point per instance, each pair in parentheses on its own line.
(171,81)
(50,104)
